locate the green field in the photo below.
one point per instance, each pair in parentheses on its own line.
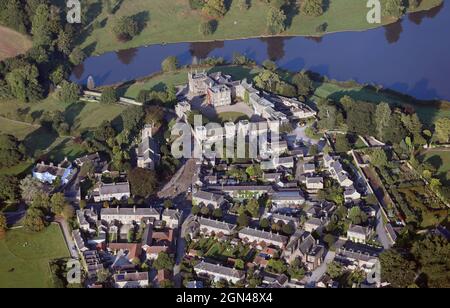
(428,112)
(21,120)
(174,21)
(160,81)
(24,257)
(440,159)
(231,117)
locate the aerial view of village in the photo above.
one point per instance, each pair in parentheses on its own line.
(224,144)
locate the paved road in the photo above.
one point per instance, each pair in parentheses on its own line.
(321,270)
(67,237)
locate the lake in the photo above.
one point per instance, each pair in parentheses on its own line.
(411,56)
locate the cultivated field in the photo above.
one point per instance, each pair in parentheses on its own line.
(12,43)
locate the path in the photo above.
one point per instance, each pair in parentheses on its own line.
(67,237)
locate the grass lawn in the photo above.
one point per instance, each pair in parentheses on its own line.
(44,144)
(160,81)
(231,117)
(175,21)
(441,160)
(12,43)
(427,112)
(31,261)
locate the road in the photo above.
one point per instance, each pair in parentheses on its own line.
(184,206)
(321,270)
(67,237)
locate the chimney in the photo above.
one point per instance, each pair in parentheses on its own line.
(134,209)
(118,209)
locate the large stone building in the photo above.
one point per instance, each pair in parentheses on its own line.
(147,152)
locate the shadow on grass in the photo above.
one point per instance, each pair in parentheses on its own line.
(39,140)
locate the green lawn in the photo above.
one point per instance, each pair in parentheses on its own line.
(24,257)
(440,159)
(174,21)
(159,82)
(428,112)
(44,144)
(231,117)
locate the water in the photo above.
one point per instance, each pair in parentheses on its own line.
(411,56)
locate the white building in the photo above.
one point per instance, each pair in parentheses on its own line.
(131,280)
(108,192)
(219,272)
(128,215)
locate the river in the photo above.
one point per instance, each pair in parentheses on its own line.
(411,56)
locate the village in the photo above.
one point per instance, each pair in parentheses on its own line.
(288,221)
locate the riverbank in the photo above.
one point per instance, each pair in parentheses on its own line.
(428,110)
(174,22)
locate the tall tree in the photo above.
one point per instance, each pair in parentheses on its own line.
(41,26)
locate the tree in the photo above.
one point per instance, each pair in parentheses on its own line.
(132,117)
(442,130)
(276,21)
(40,26)
(267,80)
(125,28)
(288,229)
(3,223)
(215,8)
(252,207)
(163,262)
(334,270)
(12,15)
(207,28)
(394,8)
(143,182)
(9,188)
(58,202)
(64,42)
(218,213)
(379,158)
(432,253)
(11,151)
(23,83)
(243,220)
(30,187)
(195,209)
(382,118)
(205,211)
(34,220)
(69,92)
(312,7)
(264,223)
(270,65)
(254,171)
(396,270)
(244,4)
(109,96)
(68,212)
(168,204)
(169,64)
(342,145)
(303,83)
(357,216)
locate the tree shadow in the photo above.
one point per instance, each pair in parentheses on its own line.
(89,50)
(73,111)
(39,140)
(292,9)
(127,56)
(141,18)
